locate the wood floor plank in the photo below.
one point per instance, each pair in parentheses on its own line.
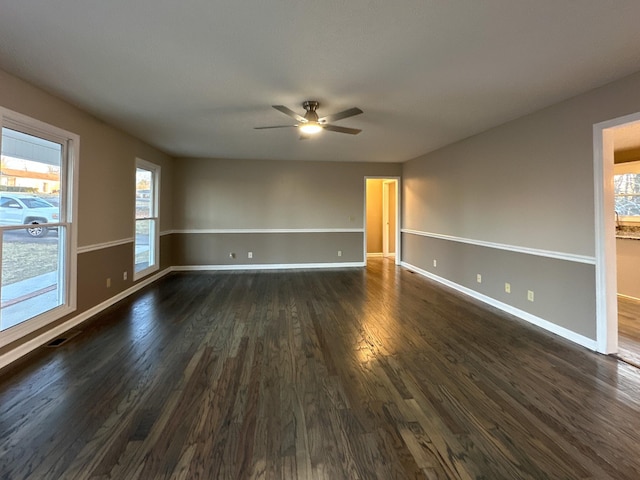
(372,373)
(629,330)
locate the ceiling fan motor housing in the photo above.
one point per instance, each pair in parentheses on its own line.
(310,106)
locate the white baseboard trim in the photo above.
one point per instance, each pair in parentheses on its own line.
(375,255)
(267,266)
(27,347)
(540,322)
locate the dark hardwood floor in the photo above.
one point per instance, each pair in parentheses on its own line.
(629,330)
(370,373)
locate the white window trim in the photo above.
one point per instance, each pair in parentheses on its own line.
(140,163)
(71,143)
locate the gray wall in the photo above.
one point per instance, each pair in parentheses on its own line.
(227,194)
(559,286)
(528,183)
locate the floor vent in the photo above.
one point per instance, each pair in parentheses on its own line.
(62,340)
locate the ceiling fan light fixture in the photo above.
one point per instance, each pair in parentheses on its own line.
(310,128)
(311,123)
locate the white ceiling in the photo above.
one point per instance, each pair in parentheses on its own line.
(193,77)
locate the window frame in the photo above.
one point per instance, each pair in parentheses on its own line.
(621,169)
(155,218)
(68,214)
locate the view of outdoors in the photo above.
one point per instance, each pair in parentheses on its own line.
(627,194)
(32,253)
(144,222)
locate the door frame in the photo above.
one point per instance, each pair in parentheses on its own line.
(385,216)
(605,241)
(398,183)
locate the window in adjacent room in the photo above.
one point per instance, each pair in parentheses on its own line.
(37,224)
(627,191)
(147,228)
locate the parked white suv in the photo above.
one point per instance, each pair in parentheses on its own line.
(26,209)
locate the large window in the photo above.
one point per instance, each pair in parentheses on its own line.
(626,181)
(37,236)
(146,218)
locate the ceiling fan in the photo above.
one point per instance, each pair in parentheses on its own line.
(310,123)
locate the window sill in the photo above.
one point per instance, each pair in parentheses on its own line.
(143,273)
(27,327)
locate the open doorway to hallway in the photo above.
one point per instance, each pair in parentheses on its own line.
(382,230)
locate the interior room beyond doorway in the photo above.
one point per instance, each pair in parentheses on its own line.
(381,217)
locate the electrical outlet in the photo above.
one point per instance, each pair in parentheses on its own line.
(339,253)
(507,287)
(479,278)
(435,262)
(250,255)
(108,282)
(530,295)
(125,275)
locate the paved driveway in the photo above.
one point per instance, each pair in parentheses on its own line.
(21,236)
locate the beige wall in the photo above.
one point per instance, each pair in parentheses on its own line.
(528,183)
(628,273)
(258,194)
(227,194)
(374,215)
(393,186)
(107,163)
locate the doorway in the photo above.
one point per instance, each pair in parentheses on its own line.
(616,314)
(382,208)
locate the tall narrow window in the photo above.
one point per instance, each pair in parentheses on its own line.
(37,253)
(146,218)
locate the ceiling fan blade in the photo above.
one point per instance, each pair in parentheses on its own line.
(340,115)
(335,128)
(289,112)
(304,136)
(274,126)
